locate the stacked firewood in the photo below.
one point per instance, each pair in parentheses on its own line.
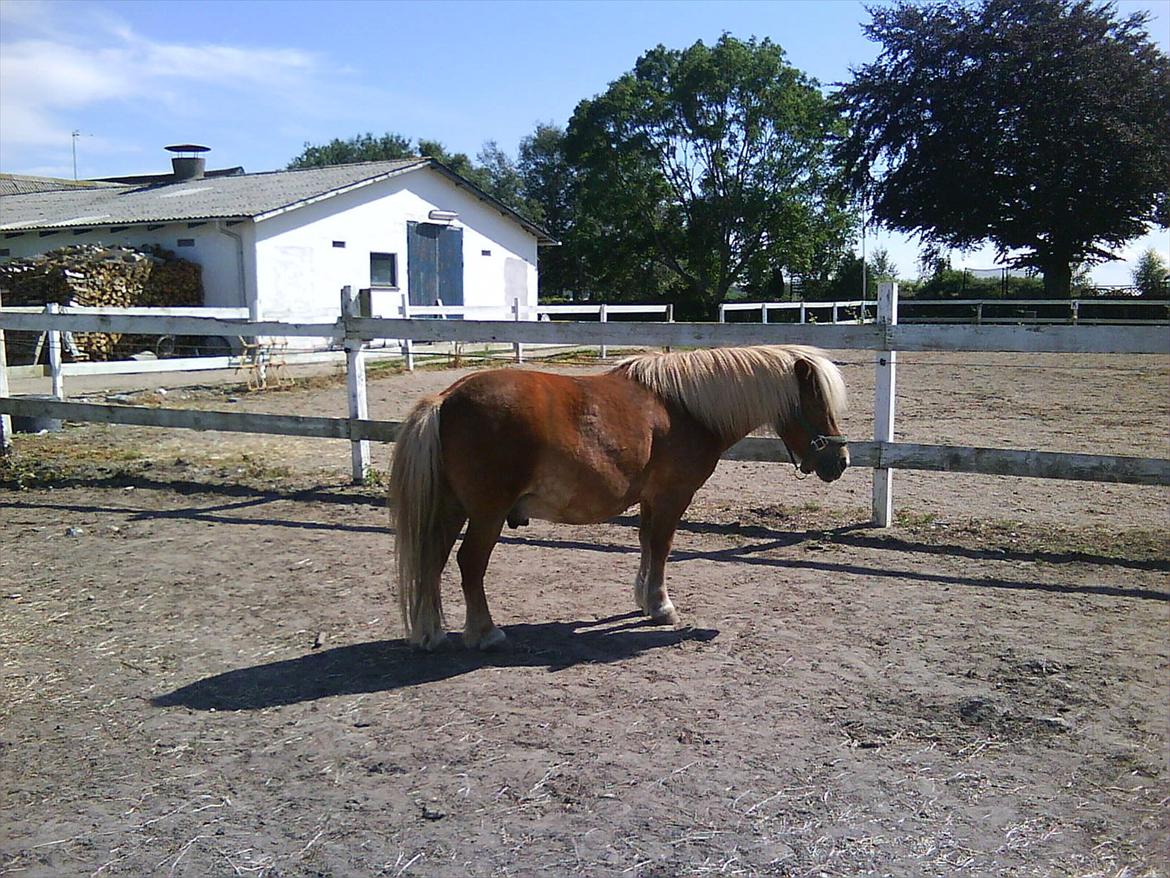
(94,275)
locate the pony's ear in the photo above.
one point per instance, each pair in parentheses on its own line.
(806,374)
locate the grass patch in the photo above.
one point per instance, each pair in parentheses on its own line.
(21,472)
(915,520)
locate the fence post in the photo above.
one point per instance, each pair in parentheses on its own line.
(602,350)
(763,312)
(1075,311)
(803,312)
(355,384)
(407,343)
(54,340)
(517,347)
(5,420)
(883,406)
(834,313)
(670,318)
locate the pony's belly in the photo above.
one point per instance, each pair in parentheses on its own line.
(573,508)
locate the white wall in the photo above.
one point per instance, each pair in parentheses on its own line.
(299,272)
(216,253)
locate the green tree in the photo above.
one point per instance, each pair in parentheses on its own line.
(368,148)
(703,168)
(549,187)
(1151,276)
(501,178)
(1040,125)
(361,148)
(459,162)
(882,266)
(547,178)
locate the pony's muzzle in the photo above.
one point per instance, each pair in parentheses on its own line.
(831,463)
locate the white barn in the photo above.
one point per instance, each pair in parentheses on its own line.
(283,243)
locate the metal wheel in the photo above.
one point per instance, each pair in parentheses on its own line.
(215,346)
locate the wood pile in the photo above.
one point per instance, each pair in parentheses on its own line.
(94,275)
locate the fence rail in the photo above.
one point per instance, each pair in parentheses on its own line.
(518,312)
(892,455)
(870,337)
(979,314)
(884,337)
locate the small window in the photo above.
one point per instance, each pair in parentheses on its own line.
(186,242)
(4,251)
(339,244)
(383,269)
(485,252)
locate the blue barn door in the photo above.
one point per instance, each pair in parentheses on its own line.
(434,263)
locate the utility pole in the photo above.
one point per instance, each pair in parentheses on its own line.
(76,134)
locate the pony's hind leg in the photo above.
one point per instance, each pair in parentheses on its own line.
(427,623)
(479,630)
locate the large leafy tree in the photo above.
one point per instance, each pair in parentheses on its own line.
(1042,126)
(387,147)
(361,148)
(704,168)
(549,188)
(459,162)
(500,177)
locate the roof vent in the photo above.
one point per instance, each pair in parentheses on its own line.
(187,162)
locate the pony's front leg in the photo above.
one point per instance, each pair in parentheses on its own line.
(479,630)
(656,534)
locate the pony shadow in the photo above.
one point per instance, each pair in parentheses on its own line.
(241,497)
(387,665)
(321,493)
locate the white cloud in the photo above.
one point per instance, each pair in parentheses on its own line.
(49,75)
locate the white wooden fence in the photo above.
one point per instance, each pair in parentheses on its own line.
(979,311)
(52,340)
(856,310)
(523,312)
(884,337)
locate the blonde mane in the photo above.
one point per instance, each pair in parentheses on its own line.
(732,391)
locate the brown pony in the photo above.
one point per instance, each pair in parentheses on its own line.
(506,445)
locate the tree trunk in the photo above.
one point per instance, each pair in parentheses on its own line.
(1057,278)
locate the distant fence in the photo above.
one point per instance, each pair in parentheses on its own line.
(53,343)
(1088,312)
(884,336)
(526,312)
(855,311)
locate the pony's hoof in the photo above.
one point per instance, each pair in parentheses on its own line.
(429,641)
(664,616)
(491,639)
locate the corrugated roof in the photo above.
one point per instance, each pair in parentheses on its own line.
(23,184)
(150,179)
(246,196)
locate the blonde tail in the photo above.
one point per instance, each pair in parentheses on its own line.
(416,485)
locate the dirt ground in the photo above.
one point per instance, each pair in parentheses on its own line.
(202,670)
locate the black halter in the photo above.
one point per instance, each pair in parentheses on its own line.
(818,442)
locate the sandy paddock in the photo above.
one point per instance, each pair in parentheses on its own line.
(203,672)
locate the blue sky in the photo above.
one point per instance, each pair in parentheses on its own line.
(256,80)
